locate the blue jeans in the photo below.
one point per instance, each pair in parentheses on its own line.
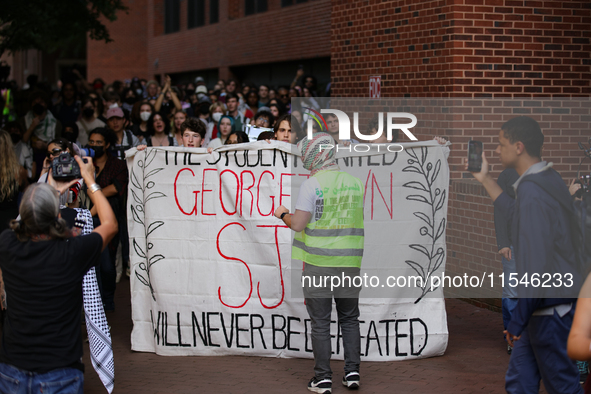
(62,381)
(540,354)
(509,305)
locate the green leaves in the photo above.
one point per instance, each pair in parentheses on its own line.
(53,25)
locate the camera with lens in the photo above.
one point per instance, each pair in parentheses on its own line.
(65,167)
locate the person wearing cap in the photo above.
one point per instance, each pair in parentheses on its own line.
(201,91)
(125,139)
(199,81)
(328,222)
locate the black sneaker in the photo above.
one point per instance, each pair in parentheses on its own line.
(351,380)
(322,386)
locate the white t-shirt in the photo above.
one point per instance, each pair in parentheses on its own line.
(215,143)
(311,199)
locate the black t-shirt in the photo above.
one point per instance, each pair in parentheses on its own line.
(43,282)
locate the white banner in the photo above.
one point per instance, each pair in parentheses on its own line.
(211,266)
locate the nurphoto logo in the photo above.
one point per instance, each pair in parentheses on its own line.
(344,127)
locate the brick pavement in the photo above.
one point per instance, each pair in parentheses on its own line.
(475,362)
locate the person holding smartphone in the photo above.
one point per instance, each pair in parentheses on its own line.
(542,235)
(43,267)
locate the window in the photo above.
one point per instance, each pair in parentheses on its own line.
(171,16)
(214,11)
(196,13)
(286,3)
(254,6)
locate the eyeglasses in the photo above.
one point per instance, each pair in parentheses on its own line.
(54,152)
(263,120)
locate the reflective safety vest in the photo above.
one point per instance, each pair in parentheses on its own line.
(335,239)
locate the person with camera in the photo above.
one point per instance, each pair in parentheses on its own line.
(43,268)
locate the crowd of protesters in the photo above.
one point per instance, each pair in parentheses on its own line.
(41,123)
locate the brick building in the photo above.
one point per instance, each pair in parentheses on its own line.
(253,40)
(516,52)
(520,52)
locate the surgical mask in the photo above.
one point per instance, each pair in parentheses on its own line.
(139,92)
(114,105)
(217,116)
(38,109)
(88,112)
(99,151)
(145,116)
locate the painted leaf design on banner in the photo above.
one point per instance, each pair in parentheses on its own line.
(429,260)
(141,194)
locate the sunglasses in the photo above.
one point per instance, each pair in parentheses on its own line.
(54,152)
(283,95)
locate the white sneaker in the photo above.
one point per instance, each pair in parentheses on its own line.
(351,380)
(322,386)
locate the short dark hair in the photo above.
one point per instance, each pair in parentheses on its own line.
(194,125)
(108,135)
(330,115)
(265,114)
(241,137)
(526,130)
(266,135)
(231,96)
(39,94)
(74,128)
(281,119)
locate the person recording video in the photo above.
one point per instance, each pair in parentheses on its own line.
(43,267)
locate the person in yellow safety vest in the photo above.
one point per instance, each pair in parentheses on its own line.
(328,220)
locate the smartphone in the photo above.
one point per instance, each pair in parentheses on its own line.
(474,156)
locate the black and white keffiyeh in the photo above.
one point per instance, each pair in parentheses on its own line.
(99,337)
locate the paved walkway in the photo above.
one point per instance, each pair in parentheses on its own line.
(475,362)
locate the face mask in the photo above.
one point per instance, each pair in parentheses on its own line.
(88,112)
(113,106)
(38,109)
(145,116)
(217,116)
(99,151)
(15,138)
(139,92)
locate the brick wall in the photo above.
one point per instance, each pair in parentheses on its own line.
(463,47)
(475,49)
(300,31)
(126,56)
